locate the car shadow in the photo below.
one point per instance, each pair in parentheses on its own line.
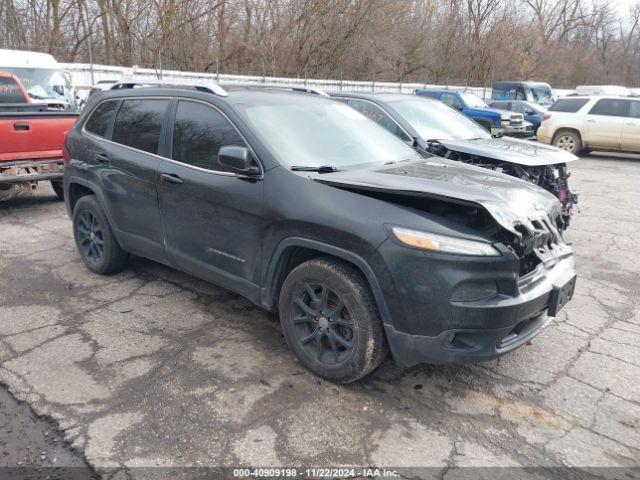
(612,156)
(25,197)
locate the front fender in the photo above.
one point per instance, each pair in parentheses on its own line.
(276,264)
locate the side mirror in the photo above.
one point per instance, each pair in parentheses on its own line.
(238,159)
(529,112)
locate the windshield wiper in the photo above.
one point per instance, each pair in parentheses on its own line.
(320,169)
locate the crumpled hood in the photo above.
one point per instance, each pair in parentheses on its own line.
(514,150)
(510,201)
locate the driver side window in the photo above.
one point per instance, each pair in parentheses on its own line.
(375,113)
(198,134)
(450,100)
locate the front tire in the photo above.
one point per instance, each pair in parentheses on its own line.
(57,187)
(569,141)
(331,321)
(94,238)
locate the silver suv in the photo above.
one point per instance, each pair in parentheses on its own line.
(585,123)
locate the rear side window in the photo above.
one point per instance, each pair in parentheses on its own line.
(611,106)
(634,109)
(569,105)
(10,91)
(100,118)
(198,133)
(138,124)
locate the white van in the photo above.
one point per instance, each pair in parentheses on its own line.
(42,77)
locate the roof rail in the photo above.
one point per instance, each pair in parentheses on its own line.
(207,88)
(315,91)
(292,88)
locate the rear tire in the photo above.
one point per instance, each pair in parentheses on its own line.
(57,187)
(331,321)
(568,140)
(94,238)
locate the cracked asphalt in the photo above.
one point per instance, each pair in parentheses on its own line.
(152,367)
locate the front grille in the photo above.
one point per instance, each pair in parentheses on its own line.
(516,119)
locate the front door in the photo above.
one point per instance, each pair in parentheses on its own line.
(211,217)
(630,139)
(604,123)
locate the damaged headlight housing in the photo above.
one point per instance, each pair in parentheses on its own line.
(444,243)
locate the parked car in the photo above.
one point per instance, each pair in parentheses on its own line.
(531,112)
(539,93)
(305,206)
(436,129)
(32,138)
(98,87)
(43,78)
(498,122)
(582,124)
(592,90)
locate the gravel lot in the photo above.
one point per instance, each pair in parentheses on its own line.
(152,367)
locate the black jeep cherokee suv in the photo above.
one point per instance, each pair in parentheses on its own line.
(305,206)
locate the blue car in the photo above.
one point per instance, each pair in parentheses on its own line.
(497,121)
(532,112)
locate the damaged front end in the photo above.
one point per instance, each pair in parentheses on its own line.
(468,305)
(528,221)
(553,177)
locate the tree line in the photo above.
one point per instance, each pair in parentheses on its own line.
(563,42)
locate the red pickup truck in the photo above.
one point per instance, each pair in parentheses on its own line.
(31,138)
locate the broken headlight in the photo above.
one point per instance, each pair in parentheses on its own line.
(444,243)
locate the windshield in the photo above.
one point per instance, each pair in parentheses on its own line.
(541,95)
(318,133)
(44,84)
(436,121)
(535,107)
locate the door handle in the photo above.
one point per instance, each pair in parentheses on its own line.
(22,126)
(591,121)
(631,123)
(171,178)
(101,158)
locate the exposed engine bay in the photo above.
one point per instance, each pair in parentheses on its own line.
(553,178)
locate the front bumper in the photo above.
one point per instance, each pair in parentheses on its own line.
(520,131)
(433,328)
(31,171)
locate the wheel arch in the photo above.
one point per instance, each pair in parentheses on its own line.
(560,130)
(293,251)
(82,187)
(77,191)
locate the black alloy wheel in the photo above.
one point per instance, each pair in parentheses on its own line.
(90,238)
(323,325)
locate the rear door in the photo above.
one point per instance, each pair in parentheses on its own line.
(211,217)
(605,121)
(630,139)
(125,167)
